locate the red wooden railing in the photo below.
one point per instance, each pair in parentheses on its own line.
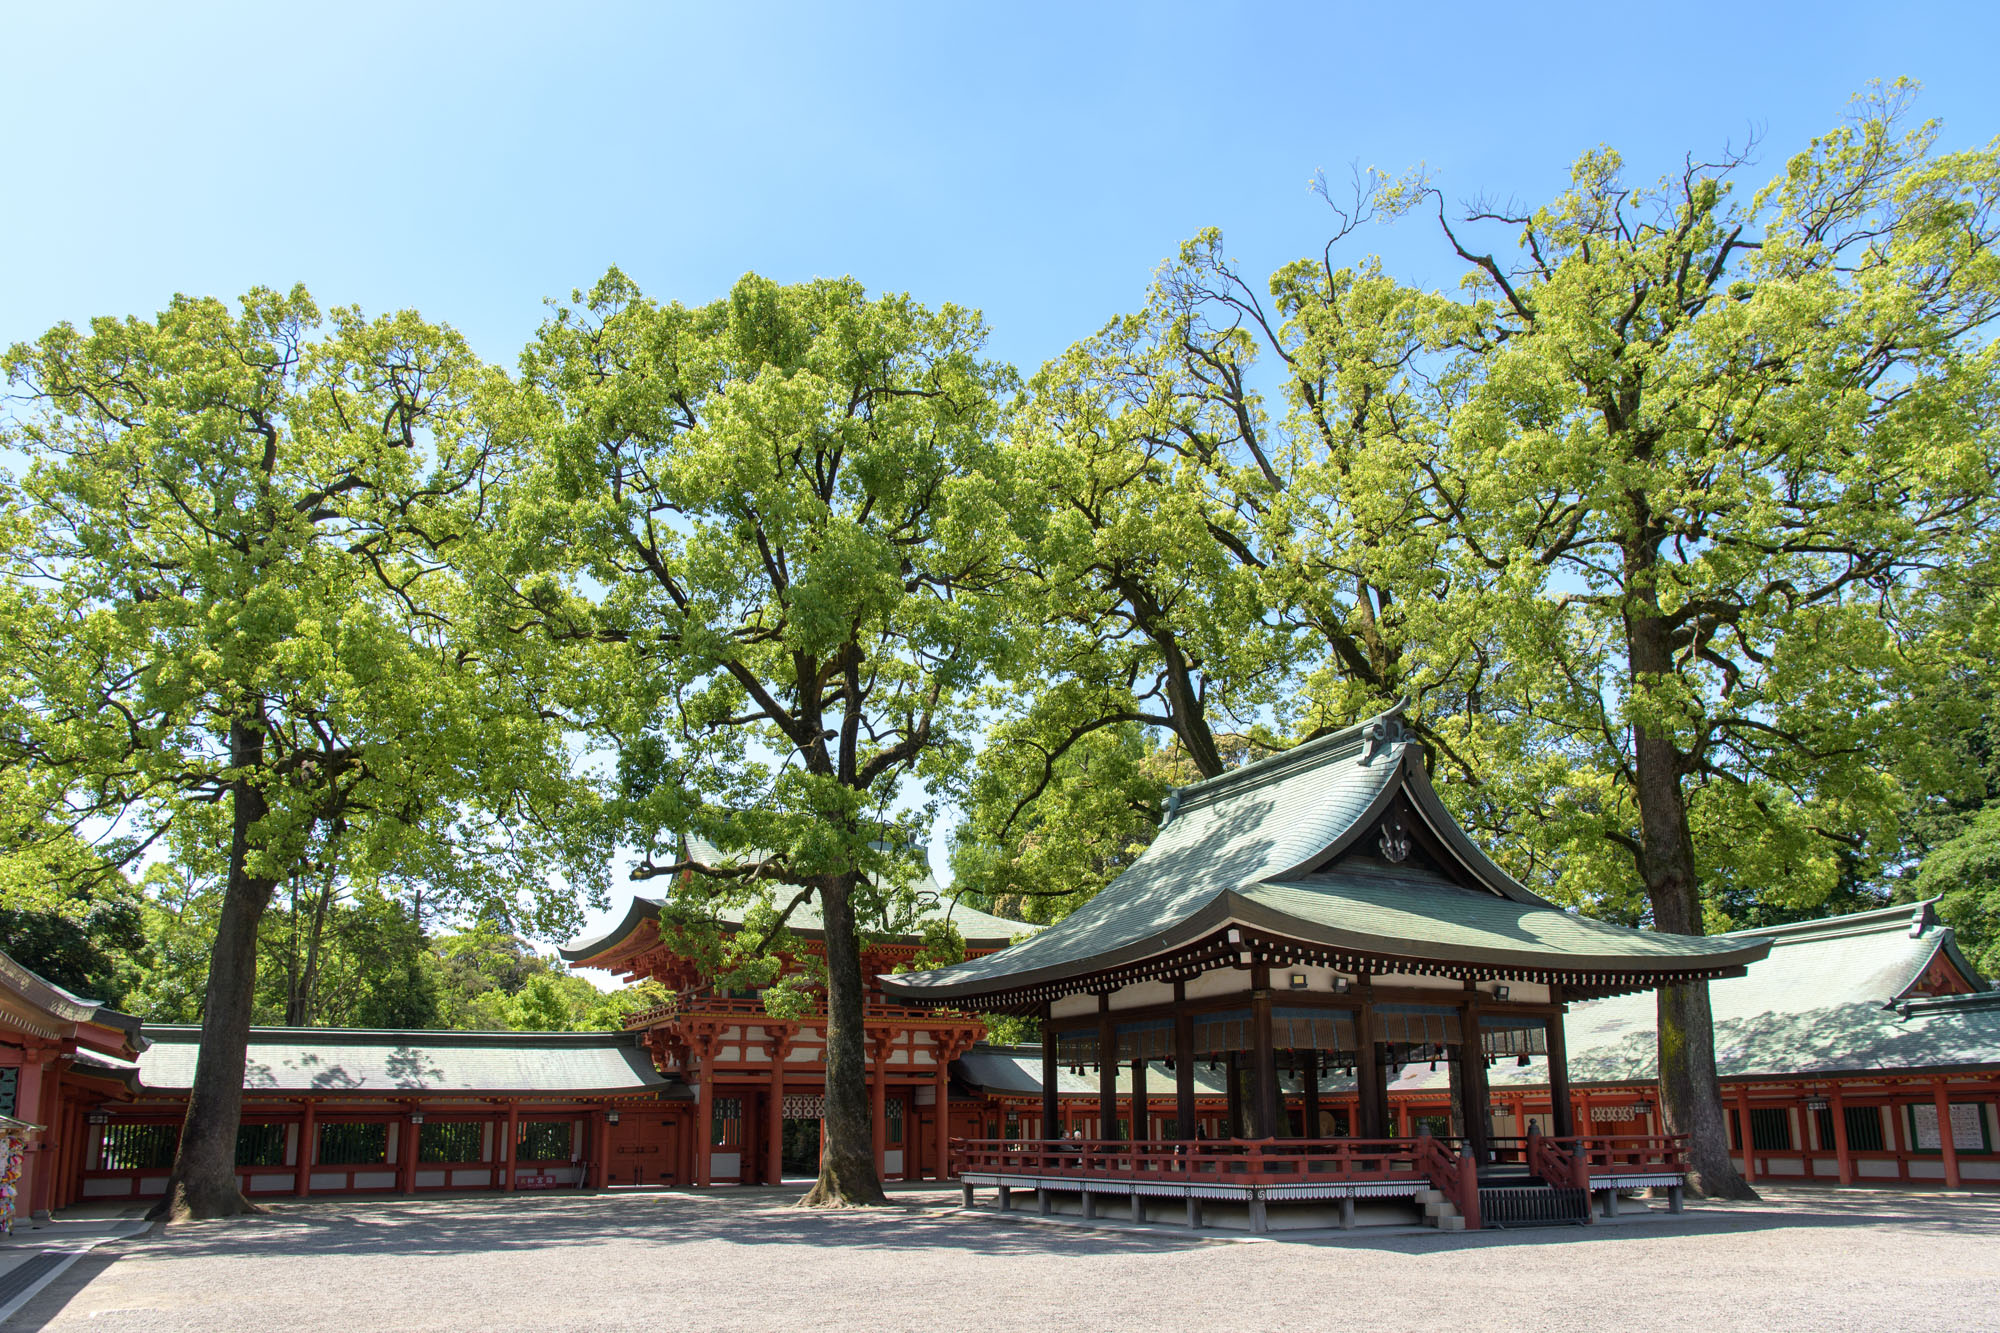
(1436,1161)
(1571,1162)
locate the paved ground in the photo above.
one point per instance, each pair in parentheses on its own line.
(745,1260)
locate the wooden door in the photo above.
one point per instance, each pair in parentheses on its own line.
(645,1149)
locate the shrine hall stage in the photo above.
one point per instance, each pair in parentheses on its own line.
(746,1259)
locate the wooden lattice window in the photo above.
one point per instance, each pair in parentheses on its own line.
(1864,1128)
(893,1108)
(544,1141)
(726,1126)
(1770,1129)
(260,1145)
(452,1141)
(139,1147)
(353,1143)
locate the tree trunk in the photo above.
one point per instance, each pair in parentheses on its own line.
(203,1181)
(1690,1092)
(847,1164)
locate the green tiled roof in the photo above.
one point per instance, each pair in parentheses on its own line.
(1282,844)
(1832,997)
(1825,1001)
(348,1060)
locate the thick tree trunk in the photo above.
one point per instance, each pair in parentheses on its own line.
(1690,1092)
(847,1164)
(203,1181)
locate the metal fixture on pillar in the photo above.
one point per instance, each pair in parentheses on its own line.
(611,1116)
(1501,992)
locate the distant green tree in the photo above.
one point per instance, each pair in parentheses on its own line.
(1964,876)
(779,526)
(235,576)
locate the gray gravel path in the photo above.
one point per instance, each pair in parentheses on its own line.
(745,1260)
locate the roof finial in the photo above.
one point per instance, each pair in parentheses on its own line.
(1383,731)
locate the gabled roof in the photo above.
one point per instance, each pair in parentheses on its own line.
(32,1003)
(1299,845)
(980,930)
(352,1060)
(1833,996)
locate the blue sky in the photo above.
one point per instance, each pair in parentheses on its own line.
(1034,161)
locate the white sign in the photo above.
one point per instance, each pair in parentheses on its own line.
(1967,1131)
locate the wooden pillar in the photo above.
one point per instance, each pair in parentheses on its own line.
(1478,1130)
(774,1127)
(509,1143)
(308,1145)
(45,1157)
(1309,1075)
(1743,1133)
(1184,1113)
(1233,1072)
(878,1108)
(1107,1070)
(1562,1116)
(1264,1070)
(943,1109)
(1947,1145)
(409,1134)
(600,1161)
(1141,1116)
(1843,1160)
(1370,1097)
(1051,1078)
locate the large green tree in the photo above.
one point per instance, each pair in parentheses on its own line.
(1698,456)
(777,523)
(231,614)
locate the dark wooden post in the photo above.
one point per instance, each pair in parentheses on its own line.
(1107,1070)
(1232,1071)
(1562,1117)
(308,1142)
(1478,1131)
(1183,1063)
(407,1135)
(1309,1075)
(1141,1117)
(1371,1097)
(512,1139)
(1051,1124)
(1842,1161)
(1265,1059)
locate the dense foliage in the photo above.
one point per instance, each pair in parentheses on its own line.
(334,662)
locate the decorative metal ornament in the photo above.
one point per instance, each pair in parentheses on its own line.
(1395,840)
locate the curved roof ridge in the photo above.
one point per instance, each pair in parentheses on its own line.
(1321,749)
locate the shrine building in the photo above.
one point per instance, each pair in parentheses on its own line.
(1311,1001)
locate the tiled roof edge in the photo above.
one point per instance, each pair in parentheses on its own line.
(190,1033)
(1910,918)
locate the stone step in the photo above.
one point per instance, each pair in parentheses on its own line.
(1452,1223)
(1429,1195)
(1440,1208)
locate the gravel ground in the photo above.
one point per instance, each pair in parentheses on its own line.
(746,1260)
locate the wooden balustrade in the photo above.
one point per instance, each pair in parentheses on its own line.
(1570,1162)
(1224,1161)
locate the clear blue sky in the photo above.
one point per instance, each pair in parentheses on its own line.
(1033,161)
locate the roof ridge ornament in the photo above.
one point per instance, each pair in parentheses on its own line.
(1383,732)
